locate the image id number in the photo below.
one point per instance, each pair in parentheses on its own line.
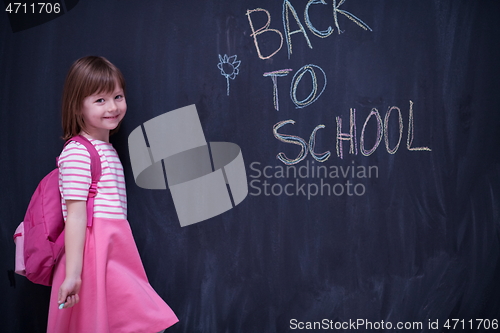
(33,8)
(478,324)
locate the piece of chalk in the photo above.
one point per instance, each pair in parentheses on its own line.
(61,306)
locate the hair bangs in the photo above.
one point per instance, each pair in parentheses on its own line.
(102,79)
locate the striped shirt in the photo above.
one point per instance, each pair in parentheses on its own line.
(75,179)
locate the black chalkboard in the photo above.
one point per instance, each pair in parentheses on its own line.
(368,132)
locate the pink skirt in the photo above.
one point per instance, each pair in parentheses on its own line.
(115,295)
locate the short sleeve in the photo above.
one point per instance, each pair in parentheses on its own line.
(74,172)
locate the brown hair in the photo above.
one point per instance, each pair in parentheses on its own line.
(87,76)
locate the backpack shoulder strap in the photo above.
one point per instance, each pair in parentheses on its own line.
(95,160)
(95,170)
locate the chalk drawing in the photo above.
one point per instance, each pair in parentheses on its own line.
(228,68)
(274,76)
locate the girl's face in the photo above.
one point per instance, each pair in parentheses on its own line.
(103,112)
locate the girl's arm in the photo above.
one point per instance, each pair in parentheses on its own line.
(74,242)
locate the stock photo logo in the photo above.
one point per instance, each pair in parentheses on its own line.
(205,179)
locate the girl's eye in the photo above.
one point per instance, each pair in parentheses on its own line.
(100,100)
(119,97)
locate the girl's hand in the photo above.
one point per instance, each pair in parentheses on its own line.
(68,292)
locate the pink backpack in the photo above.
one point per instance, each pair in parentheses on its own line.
(40,237)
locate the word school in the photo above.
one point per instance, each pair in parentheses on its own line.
(382,132)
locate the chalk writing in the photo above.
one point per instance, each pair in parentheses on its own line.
(274,75)
(289,9)
(228,68)
(314,95)
(312,141)
(351,137)
(296,140)
(365,152)
(318,86)
(382,130)
(348,15)
(386,129)
(319,33)
(261,30)
(409,139)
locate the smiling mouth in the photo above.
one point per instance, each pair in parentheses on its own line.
(114,117)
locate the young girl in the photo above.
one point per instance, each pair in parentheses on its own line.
(99,283)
